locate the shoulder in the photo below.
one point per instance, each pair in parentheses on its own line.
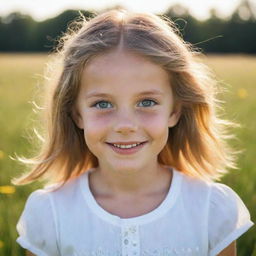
(228,217)
(37,207)
(226,202)
(36,225)
(215,195)
(195,188)
(38,201)
(220,191)
(64,194)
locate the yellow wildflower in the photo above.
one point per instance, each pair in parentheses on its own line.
(1,244)
(7,189)
(242,93)
(1,154)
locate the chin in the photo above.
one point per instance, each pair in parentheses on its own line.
(128,167)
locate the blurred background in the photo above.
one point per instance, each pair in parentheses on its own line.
(225,31)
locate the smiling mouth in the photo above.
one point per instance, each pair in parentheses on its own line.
(127,149)
(126,144)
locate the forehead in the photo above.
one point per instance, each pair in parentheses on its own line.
(122,66)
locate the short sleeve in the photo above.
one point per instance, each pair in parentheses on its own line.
(36,225)
(228,218)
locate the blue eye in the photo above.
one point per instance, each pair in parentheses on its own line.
(103,104)
(148,103)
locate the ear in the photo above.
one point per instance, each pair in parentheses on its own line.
(77,118)
(174,116)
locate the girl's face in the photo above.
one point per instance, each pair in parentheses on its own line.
(125,98)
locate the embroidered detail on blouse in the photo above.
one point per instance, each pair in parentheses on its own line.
(166,251)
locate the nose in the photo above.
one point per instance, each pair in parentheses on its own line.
(125,122)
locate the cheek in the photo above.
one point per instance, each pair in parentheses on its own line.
(94,124)
(155,122)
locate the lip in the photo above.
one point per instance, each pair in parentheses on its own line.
(126,143)
(127,151)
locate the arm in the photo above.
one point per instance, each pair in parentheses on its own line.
(229,251)
(28,253)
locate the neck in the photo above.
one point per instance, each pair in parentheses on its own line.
(140,183)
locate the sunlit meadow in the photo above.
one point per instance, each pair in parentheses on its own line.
(21,77)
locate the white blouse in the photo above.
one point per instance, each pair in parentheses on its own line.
(196,218)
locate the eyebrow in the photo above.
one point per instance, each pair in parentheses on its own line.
(100,94)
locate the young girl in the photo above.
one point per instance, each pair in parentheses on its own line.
(133,147)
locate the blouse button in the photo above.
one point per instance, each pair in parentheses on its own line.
(134,243)
(133,229)
(126,241)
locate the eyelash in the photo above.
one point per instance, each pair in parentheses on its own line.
(155,103)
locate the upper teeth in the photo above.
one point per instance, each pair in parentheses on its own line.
(126,146)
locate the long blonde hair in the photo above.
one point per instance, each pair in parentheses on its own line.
(196,146)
